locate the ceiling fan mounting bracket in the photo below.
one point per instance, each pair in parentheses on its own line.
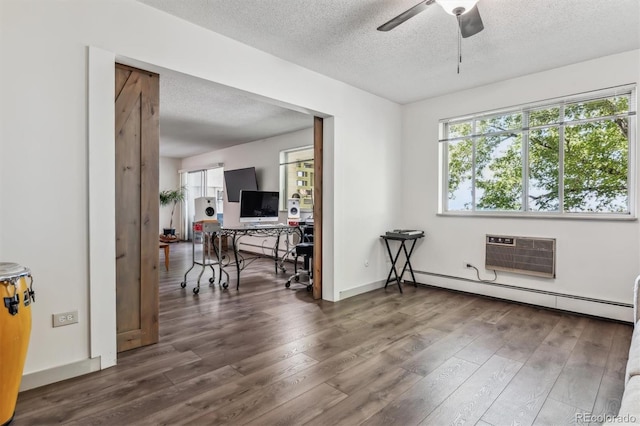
(466,11)
(459,11)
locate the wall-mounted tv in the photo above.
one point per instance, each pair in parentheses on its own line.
(239,179)
(259,206)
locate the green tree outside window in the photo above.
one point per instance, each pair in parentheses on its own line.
(570,157)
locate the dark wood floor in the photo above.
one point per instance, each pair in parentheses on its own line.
(267,355)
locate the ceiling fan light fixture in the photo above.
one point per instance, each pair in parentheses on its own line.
(457,7)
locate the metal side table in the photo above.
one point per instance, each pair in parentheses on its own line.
(403,237)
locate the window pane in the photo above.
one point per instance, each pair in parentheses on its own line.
(499,123)
(581,144)
(297,170)
(460,129)
(544,117)
(460,169)
(596,167)
(597,108)
(499,173)
(544,160)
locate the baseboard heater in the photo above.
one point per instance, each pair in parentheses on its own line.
(264,251)
(518,288)
(521,255)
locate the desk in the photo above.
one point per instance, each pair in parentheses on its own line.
(402,239)
(275,230)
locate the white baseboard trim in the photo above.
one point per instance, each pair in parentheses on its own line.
(350,292)
(58,374)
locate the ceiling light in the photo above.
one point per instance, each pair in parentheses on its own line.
(457,7)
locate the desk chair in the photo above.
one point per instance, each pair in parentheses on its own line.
(304,249)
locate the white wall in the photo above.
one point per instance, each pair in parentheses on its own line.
(44,108)
(596,259)
(3,112)
(169,179)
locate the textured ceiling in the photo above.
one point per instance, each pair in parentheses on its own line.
(417,60)
(198,116)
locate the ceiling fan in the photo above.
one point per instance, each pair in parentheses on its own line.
(466,11)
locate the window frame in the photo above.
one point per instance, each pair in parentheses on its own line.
(629,90)
(283,163)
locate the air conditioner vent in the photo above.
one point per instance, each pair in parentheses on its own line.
(522,255)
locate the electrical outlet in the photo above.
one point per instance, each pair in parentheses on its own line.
(65,318)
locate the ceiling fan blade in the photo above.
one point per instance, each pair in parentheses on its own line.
(407,14)
(471,23)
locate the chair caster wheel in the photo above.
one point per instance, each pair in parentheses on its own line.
(225,285)
(211,280)
(183,284)
(309,288)
(196,290)
(287,284)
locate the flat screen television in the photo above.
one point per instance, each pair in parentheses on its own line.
(259,206)
(239,179)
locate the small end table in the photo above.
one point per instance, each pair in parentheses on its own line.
(166,248)
(402,237)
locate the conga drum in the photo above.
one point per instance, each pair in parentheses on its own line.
(15,327)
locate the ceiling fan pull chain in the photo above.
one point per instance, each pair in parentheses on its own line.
(459,44)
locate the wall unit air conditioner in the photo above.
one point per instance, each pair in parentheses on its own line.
(521,255)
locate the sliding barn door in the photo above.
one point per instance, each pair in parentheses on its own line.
(318,165)
(137,140)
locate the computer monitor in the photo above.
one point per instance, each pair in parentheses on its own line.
(239,179)
(259,206)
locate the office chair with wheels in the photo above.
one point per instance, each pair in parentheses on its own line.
(304,249)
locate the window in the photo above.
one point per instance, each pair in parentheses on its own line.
(200,183)
(564,157)
(294,165)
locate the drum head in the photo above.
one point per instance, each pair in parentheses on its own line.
(10,271)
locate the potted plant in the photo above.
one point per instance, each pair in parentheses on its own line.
(172,197)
